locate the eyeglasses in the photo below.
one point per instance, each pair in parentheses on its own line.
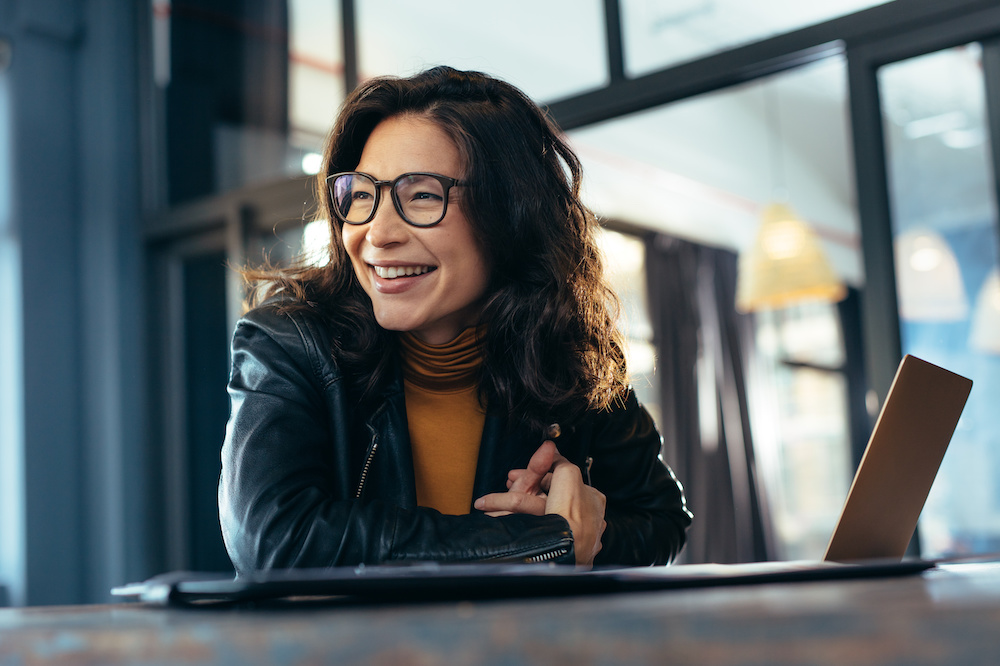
(421,199)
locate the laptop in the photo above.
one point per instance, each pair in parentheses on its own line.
(904,452)
(878,519)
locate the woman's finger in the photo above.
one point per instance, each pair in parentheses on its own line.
(512,502)
(528,480)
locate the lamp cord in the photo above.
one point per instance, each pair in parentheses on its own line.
(772,116)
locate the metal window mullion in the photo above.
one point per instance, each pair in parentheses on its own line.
(991,81)
(613,33)
(349,32)
(879,303)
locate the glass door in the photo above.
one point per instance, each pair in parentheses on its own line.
(945,244)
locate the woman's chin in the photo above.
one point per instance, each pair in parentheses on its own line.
(397,322)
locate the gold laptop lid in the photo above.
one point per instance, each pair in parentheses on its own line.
(899,465)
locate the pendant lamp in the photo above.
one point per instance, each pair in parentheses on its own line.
(928,281)
(785,265)
(985,335)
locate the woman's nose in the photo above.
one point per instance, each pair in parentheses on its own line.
(387,227)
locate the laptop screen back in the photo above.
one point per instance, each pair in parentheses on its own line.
(899,465)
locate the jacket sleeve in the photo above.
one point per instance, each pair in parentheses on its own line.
(647,516)
(286,488)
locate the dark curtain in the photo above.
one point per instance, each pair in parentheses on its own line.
(702,348)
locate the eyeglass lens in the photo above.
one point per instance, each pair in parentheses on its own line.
(420,198)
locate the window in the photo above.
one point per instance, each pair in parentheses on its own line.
(661,33)
(315,77)
(625,267)
(944,221)
(250,91)
(800,424)
(11,436)
(702,169)
(549,49)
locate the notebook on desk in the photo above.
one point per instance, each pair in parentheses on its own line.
(878,519)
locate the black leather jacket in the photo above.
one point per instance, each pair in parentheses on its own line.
(309,480)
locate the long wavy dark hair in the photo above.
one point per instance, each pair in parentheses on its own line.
(552,348)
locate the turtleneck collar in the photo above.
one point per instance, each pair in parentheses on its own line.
(448,367)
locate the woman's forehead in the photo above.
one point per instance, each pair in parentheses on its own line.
(400,144)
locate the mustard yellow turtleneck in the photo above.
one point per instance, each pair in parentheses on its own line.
(445,418)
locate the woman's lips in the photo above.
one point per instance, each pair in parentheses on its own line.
(397,279)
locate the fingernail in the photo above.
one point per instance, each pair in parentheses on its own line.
(480,503)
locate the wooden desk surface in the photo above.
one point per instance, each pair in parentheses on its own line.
(949,615)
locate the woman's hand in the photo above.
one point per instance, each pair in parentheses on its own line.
(524,486)
(581,505)
(552,484)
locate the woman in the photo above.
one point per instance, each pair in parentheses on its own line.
(451,385)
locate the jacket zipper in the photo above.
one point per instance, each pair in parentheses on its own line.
(367,466)
(546,557)
(554,552)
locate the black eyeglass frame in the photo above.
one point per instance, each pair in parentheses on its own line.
(446,182)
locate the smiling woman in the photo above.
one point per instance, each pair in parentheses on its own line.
(450,385)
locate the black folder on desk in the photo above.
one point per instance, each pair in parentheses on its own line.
(879,516)
(434,582)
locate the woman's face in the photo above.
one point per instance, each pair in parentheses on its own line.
(440,272)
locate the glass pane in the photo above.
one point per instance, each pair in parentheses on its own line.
(12,509)
(661,33)
(703,168)
(549,49)
(800,418)
(250,90)
(810,334)
(315,74)
(625,267)
(946,245)
(316,242)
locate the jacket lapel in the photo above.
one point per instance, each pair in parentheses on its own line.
(391,472)
(501,450)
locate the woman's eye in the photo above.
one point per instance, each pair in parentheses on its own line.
(361,196)
(425,196)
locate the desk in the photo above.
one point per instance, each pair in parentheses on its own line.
(944,616)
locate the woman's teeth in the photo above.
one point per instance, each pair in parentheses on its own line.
(391,272)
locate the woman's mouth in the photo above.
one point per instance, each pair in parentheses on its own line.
(393,272)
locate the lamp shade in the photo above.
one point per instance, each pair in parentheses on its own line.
(985,335)
(785,265)
(928,280)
